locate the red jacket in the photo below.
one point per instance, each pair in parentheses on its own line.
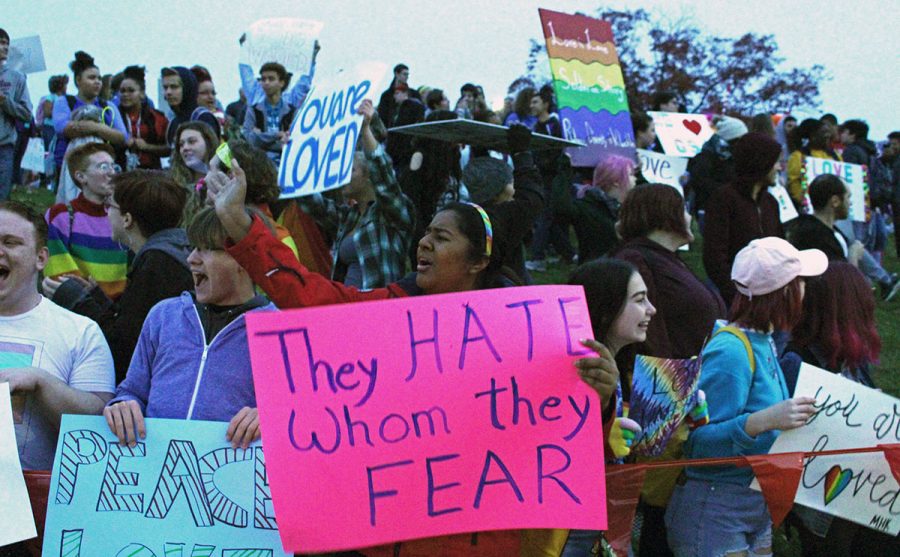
(273,267)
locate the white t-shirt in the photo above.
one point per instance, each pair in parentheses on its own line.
(66,345)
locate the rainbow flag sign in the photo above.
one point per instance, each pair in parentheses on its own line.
(590,91)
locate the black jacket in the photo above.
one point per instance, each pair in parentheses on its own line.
(159,271)
(808,232)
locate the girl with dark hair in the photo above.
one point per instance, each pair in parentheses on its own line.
(521,113)
(146,125)
(714,512)
(196,143)
(88,82)
(837,333)
(621,314)
(812,138)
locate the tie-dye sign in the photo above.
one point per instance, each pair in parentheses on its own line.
(590,91)
(857,487)
(663,393)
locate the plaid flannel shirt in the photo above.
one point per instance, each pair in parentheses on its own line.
(382,233)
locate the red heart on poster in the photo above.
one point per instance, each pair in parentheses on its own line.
(692,126)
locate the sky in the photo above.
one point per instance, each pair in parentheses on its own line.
(447,43)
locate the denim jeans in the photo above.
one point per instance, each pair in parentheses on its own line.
(712,519)
(7,156)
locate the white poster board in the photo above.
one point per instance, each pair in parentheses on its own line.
(786,209)
(857,487)
(853,175)
(26,55)
(680,134)
(663,169)
(286,40)
(18,522)
(319,154)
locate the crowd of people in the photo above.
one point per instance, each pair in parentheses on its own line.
(168,228)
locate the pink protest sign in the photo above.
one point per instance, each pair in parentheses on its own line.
(419,417)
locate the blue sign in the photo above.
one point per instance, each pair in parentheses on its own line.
(181,492)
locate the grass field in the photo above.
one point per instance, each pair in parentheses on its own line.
(887,313)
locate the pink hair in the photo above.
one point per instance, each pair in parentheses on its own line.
(613,173)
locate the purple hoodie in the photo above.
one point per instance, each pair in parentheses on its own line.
(175,374)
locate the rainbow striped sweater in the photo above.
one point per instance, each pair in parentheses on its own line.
(82,244)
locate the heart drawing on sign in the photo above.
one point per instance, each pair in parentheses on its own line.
(835,481)
(693,126)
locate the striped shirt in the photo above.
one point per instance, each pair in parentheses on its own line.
(81,243)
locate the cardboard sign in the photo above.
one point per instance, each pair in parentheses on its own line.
(663,169)
(482,134)
(853,175)
(286,40)
(319,154)
(18,522)
(857,487)
(182,491)
(26,55)
(663,393)
(419,417)
(590,91)
(681,135)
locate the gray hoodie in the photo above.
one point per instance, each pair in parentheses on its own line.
(15,106)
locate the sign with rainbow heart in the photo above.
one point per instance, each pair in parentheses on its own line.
(857,487)
(681,134)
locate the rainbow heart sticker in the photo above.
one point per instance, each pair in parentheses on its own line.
(835,482)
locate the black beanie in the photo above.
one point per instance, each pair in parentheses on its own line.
(4,34)
(754,156)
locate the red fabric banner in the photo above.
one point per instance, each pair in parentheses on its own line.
(778,476)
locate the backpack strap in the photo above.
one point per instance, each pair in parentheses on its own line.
(742,336)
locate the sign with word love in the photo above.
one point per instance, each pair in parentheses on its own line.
(319,154)
(663,169)
(590,90)
(181,491)
(418,417)
(680,134)
(857,487)
(854,177)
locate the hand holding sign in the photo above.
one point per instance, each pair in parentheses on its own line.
(126,420)
(601,373)
(787,414)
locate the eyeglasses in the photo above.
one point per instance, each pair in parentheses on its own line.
(108,167)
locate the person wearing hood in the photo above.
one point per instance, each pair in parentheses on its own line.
(180,92)
(713,166)
(742,210)
(192,360)
(143,211)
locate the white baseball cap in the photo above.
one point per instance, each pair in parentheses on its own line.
(767,264)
